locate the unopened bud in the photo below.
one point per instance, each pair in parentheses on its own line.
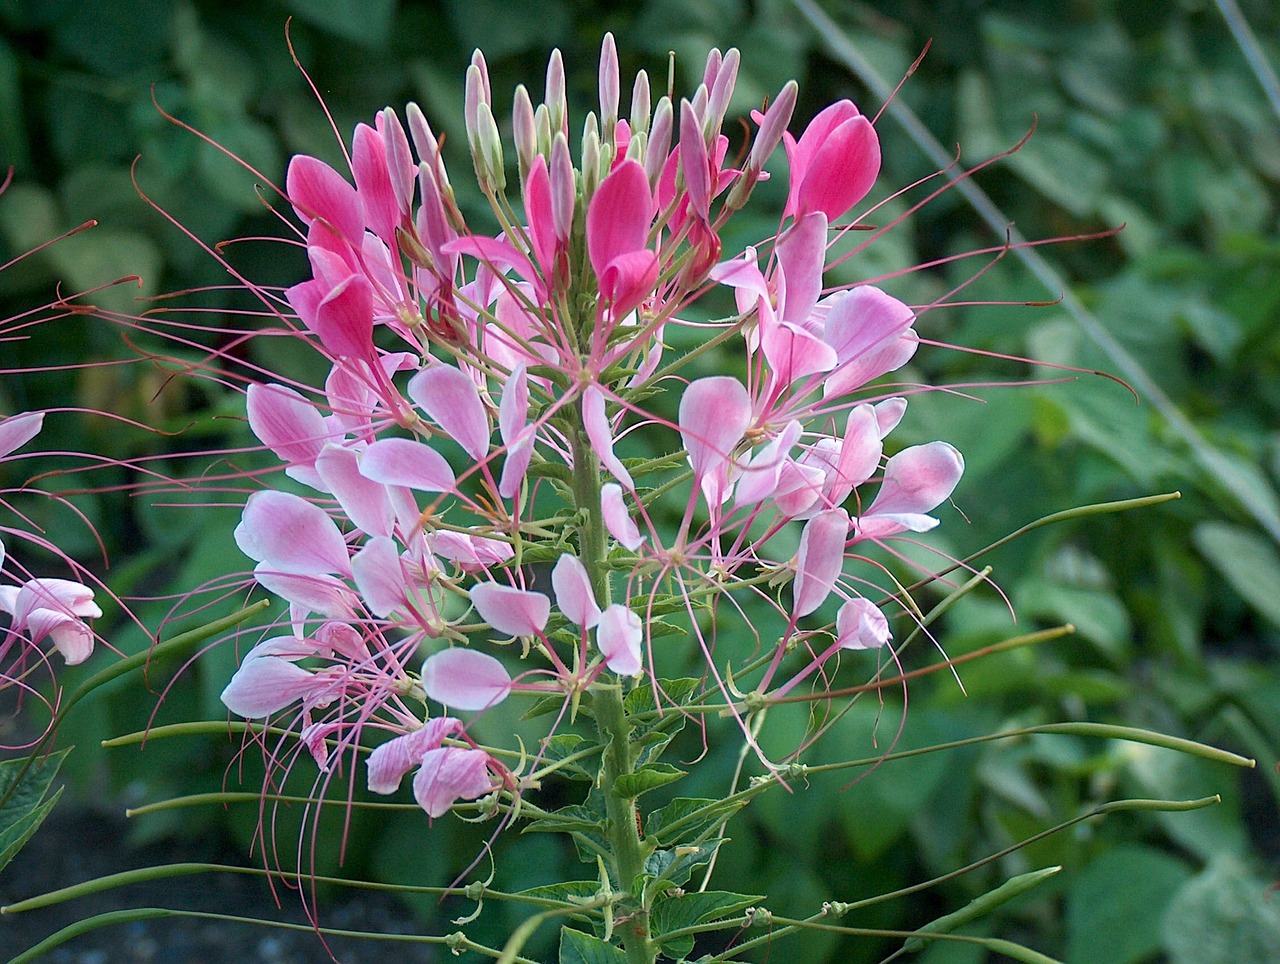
(555,99)
(640,107)
(542,124)
(524,130)
(563,188)
(636,147)
(424,142)
(721,93)
(610,85)
(399,160)
(712,69)
(773,125)
(473,98)
(659,146)
(488,156)
(590,156)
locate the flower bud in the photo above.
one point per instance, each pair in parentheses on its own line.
(555,99)
(524,130)
(563,188)
(640,106)
(591,156)
(609,86)
(659,146)
(721,93)
(488,152)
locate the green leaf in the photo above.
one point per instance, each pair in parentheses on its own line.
(674,866)
(1247,560)
(25,806)
(579,948)
(1222,916)
(562,745)
(1115,904)
(686,818)
(566,891)
(366,22)
(567,820)
(675,912)
(631,785)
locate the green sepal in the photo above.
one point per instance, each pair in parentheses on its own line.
(646,778)
(579,948)
(25,806)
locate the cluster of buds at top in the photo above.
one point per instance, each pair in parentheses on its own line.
(524,357)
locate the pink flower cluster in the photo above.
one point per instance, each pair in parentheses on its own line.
(471,428)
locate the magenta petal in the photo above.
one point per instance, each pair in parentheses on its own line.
(618,638)
(538,209)
(573,591)
(451,398)
(344,319)
(450,774)
(860,625)
(319,193)
(291,534)
(18,430)
(389,762)
(842,170)
(715,413)
(693,162)
(617,519)
(600,434)
(627,280)
(401,461)
(373,182)
(802,252)
(515,612)
(379,576)
(465,679)
(619,215)
(366,503)
(820,559)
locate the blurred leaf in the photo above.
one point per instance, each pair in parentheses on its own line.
(1115,904)
(1248,561)
(1223,916)
(1098,615)
(505,27)
(366,22)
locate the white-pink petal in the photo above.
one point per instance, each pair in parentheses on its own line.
(451,398)
(380,577)
(573,591)
(449,774)
(17,430)
(390,761)
(366,503)
(861,625)
(820,559)
(601,435)
(264,685)
(715,413)
(916,481)
(465,679)
(402,461)
(618,637)
(291,534)
(617,519)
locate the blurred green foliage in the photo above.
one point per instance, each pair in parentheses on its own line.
(1145,115)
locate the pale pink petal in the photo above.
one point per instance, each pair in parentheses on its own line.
(465,679)
(869,331)
(379,577)
(290,426)
(792,352)
(291,534)
(715,413)
(860,625)
(71,637)
(820,559)
(390,761)
(266,685)
(515,612)
(802,252)
(517,435)
(60,595)
(402,461)
(799,488)
(916,481)
(616,517)
(365,502)
(573,591)
(889,413)
(858,456)
(449,774)
(17,430)
(618,638)
(762,472)
(316,592)
(600,434)
(452,400)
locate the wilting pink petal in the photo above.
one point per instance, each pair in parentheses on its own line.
(515,612)
(573,591)
(17,430)
(916,481)
(715,413)
(71,637)
(266,684)
(390,761)
(290,426)
(619,215)
(465,679)
(402,461)
(799,488)
(291,534)
(450,774)
(820,559)
(860,625)
(616,517)
(451,398)
(318,192)
(618,637)
(379,576)
(761,474)
(601,436)
(365,502)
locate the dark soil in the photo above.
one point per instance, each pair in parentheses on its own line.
(78,845)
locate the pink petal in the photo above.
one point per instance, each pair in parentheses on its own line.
(71,637)
(538,209)
(402,461)
(799,489)
(860,625)
(513,418)
(601,435)
(379,576)
(842,170)
(820,560)
(290,426)
(291,534)
(618,638)
(628,280)
(617,519)
(344,319)
(858,456)
(693,161)
(319,193)
(17,430)
(449,774)
(794,353)
(802,252)
(465,679)
(916,481)
(59,595)
(390,761)
(573,591)
(316,592)
(715,413)
(515,612)
(760,476)
(264,685)
(451,399)
(373,182)
(366,503)
(865,326)
(619,215)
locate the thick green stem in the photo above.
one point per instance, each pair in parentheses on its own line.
(624,838)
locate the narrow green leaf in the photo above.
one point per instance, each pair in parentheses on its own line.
(686,818)
(23,787)
(15,835)
(1247,559)
(631,785)
(579,948)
